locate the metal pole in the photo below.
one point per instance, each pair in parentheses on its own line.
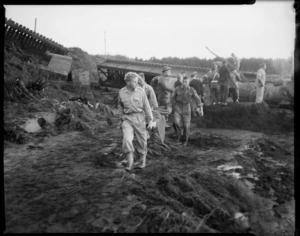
(105,43)
(35,25)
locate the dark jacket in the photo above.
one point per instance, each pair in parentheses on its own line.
(197,85)
(184,95)
(224,75)
(177,83)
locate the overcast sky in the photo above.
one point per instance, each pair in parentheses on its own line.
(265,29)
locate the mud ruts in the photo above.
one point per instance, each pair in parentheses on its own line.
(30,40)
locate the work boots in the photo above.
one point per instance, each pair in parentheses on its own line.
(143,161)
(130,161)
(177,132)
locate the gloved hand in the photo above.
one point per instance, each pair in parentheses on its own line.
(120,123)
(199,110)
(152,124)
(169,109)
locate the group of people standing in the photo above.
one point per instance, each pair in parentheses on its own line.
(139,101)
(222,80)
(214,86)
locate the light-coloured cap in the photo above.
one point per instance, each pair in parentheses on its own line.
(165,68)
(194,73)
(130,75)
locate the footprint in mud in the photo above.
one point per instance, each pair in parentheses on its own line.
(207,141)
(275,179)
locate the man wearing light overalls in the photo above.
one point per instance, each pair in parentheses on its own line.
(135,113)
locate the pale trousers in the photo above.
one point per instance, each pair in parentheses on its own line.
(139,129)
(259,94)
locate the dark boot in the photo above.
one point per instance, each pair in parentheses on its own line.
(185,142)
(177,131)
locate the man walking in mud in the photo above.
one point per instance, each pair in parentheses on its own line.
(260,83)
(148,90)
(163,89)
(181,99)
(135,113)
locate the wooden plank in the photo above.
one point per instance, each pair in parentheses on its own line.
(60,64)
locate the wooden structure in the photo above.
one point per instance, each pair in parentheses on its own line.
(30,41)
(115,70)
(58,67)
(59,64)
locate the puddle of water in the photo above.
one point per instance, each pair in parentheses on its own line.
(226,167)
(241,219)
(32,125)
(48,116)
(271,191)
(252,176)
(248,184)
(234,174)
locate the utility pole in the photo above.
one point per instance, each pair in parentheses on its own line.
(35,25)
(105,43)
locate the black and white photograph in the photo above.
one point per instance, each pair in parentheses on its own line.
(149,118)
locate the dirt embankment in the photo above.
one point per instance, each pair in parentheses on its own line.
(248,116)
(64,177)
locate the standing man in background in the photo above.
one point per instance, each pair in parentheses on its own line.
(260,83)
(196,84)
(234,76)
(178,81)
(182,73)
(236,66)
(135,112)
(224,82)
(213,78)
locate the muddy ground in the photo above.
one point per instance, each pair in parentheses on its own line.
(66,179)
(61,171)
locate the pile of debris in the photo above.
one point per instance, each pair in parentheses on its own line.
(77,113)
(23,77)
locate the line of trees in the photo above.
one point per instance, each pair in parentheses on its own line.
(274,66)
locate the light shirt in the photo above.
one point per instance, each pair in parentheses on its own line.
(261,77)
(135,102)
(150,95)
